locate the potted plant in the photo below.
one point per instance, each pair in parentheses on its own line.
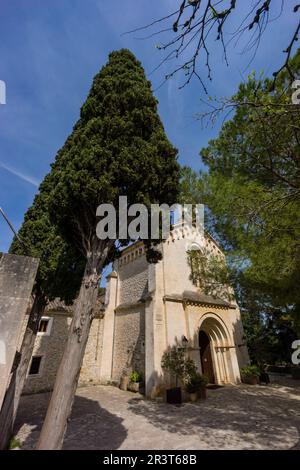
(250,375)
(181,368)
(193,386)
(134,381)
(172,362)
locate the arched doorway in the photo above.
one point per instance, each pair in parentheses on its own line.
(216,350)
(206,357)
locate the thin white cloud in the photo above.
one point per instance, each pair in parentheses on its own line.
(175,99)
(19,174)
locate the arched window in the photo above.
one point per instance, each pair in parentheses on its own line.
(196,260)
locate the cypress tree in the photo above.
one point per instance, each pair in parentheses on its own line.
(118,147)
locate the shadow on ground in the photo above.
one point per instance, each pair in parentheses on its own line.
(90,427)
(232,417)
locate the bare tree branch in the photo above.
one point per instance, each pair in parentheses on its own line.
(195,22)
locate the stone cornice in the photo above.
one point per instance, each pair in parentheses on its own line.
(195,298)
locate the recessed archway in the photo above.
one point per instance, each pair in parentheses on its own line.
(215,356)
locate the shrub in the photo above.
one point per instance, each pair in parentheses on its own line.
(195,382)
(14,444)
(175,362)
(135,377)
(250,371)
(190,369)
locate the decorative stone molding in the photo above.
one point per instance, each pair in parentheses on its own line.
(131,253)
(194,298)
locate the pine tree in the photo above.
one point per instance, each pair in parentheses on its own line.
(251,189)
(118,147)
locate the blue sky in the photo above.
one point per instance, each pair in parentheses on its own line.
(49,53)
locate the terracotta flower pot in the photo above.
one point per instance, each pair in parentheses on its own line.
(134,386)
(124,383)
(194,397)
(250,379)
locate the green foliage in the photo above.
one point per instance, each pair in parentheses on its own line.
(204,380)
(189,369)
(190,186)
(101,291)
(117,147)
(252,195)
(195,382)
(61,265)
(253,187)
(209,272)
(269,332)
(175,362)
(135,377)
(14,443)
(250,371)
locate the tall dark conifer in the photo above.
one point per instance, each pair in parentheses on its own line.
(118,147)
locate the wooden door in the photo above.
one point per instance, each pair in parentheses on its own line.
(205,356)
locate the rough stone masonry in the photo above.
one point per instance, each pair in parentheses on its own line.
(17,275)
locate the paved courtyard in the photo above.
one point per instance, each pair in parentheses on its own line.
(233,417)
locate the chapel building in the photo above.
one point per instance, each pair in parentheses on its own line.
(148,308)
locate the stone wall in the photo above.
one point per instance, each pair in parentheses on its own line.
(51,348)
(90,370)
(129,317)
(129,342)
(133,278)
(17,275)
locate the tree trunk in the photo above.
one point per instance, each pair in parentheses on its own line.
(60,406)
(22,359)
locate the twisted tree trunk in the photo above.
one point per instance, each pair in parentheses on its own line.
(22,359)
(60,406)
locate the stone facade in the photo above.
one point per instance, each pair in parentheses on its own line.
(50,346)
(133,276)
(50,349)
(148,308)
